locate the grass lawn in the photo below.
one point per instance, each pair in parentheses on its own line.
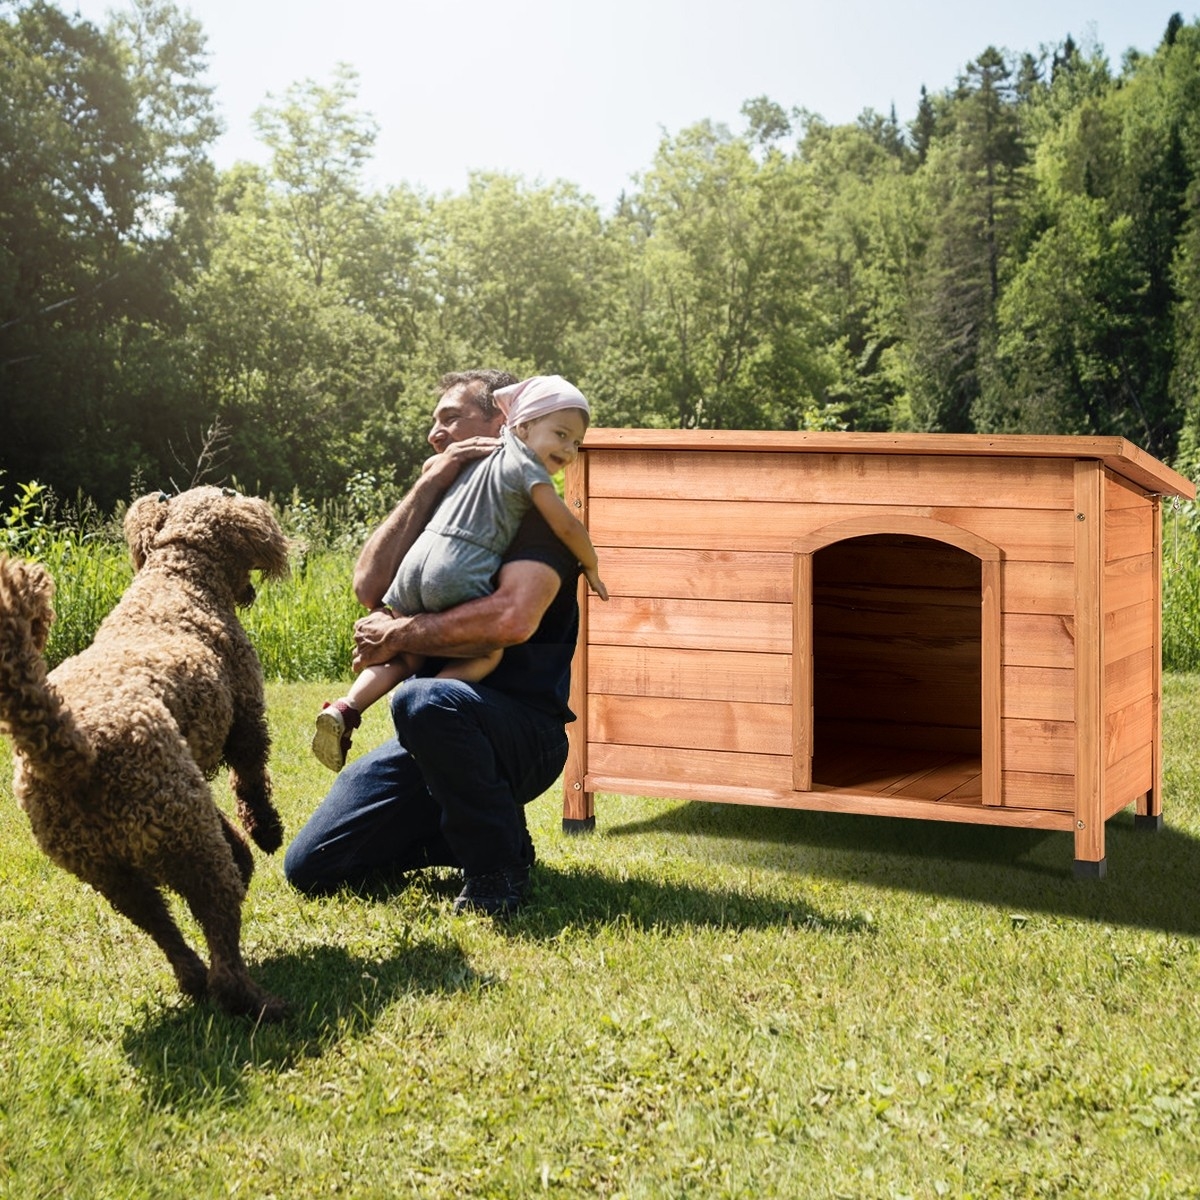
(701,1001)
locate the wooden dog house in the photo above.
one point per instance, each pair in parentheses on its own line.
(952,627)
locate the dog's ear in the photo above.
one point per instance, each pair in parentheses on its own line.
(267,543)
(145,517)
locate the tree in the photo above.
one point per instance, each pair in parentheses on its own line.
(312,307)
(868,241)
(319,145)
(766,121)
(520,270)
(924,126)
(1061,328)
(165,61)
(81,297)
(719,326)
(1090,320)
(975,174)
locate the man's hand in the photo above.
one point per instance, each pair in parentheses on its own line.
(445,467)
(372,635)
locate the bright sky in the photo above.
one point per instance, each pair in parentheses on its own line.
(567,89)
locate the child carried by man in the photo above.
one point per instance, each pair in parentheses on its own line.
(457,555)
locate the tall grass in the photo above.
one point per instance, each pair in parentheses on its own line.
(1181,588)
(300,626)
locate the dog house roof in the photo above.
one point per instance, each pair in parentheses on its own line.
(1118,454)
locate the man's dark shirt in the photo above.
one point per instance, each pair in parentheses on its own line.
(538,671)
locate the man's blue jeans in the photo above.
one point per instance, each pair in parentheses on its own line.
(449,790)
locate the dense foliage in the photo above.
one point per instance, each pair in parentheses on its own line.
(1025,256)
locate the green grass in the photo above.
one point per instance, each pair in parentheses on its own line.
(701,1001)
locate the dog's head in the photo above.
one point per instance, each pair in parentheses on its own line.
(237,533)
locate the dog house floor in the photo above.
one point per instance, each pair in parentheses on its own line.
(898,774)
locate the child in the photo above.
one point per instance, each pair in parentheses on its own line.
(456,557)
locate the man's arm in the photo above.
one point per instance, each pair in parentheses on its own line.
(507,617)
(380,557)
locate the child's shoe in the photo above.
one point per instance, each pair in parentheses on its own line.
(331,742)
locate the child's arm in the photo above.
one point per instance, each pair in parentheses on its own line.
(571,531)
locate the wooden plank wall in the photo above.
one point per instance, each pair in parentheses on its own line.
(689,672)
(1132,655)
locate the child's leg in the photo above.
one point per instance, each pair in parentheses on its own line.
(337,721)
(471,670)
(374,682)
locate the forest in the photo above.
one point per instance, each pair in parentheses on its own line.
(1024,256)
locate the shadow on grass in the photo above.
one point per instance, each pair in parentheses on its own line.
(585,901)
(193,1056)
(1151,880)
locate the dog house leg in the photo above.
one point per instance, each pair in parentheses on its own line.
(575,827)
(579,814)
(1148,816)
(1090,862)
(579,811)
(1147,813)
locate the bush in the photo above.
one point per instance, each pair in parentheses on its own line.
(1181,588)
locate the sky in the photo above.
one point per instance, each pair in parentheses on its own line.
(581,91)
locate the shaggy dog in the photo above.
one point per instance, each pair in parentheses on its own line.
(115,747)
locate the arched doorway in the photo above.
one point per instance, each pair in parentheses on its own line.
(898,664)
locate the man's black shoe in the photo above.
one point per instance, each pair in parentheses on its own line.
(498,893)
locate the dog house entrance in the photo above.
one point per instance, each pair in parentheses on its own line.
(897,652)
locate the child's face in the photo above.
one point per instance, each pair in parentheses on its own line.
(554,438)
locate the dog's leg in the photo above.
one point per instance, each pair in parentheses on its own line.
(211,884)
(135,896)
(246,752)
(237,843)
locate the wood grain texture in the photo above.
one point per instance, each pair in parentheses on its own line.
(1119,456)
(899,624)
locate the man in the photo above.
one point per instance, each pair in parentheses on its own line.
(451,788)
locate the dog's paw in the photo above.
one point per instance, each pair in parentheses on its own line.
(268,834)
(274,1008)
(263,825)
(234,992)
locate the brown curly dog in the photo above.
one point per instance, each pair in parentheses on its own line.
(115,747)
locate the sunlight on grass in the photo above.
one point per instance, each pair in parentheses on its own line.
(700,1000)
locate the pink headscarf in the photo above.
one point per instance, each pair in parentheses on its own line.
(535,397)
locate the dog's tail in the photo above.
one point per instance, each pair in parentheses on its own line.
(31,711)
